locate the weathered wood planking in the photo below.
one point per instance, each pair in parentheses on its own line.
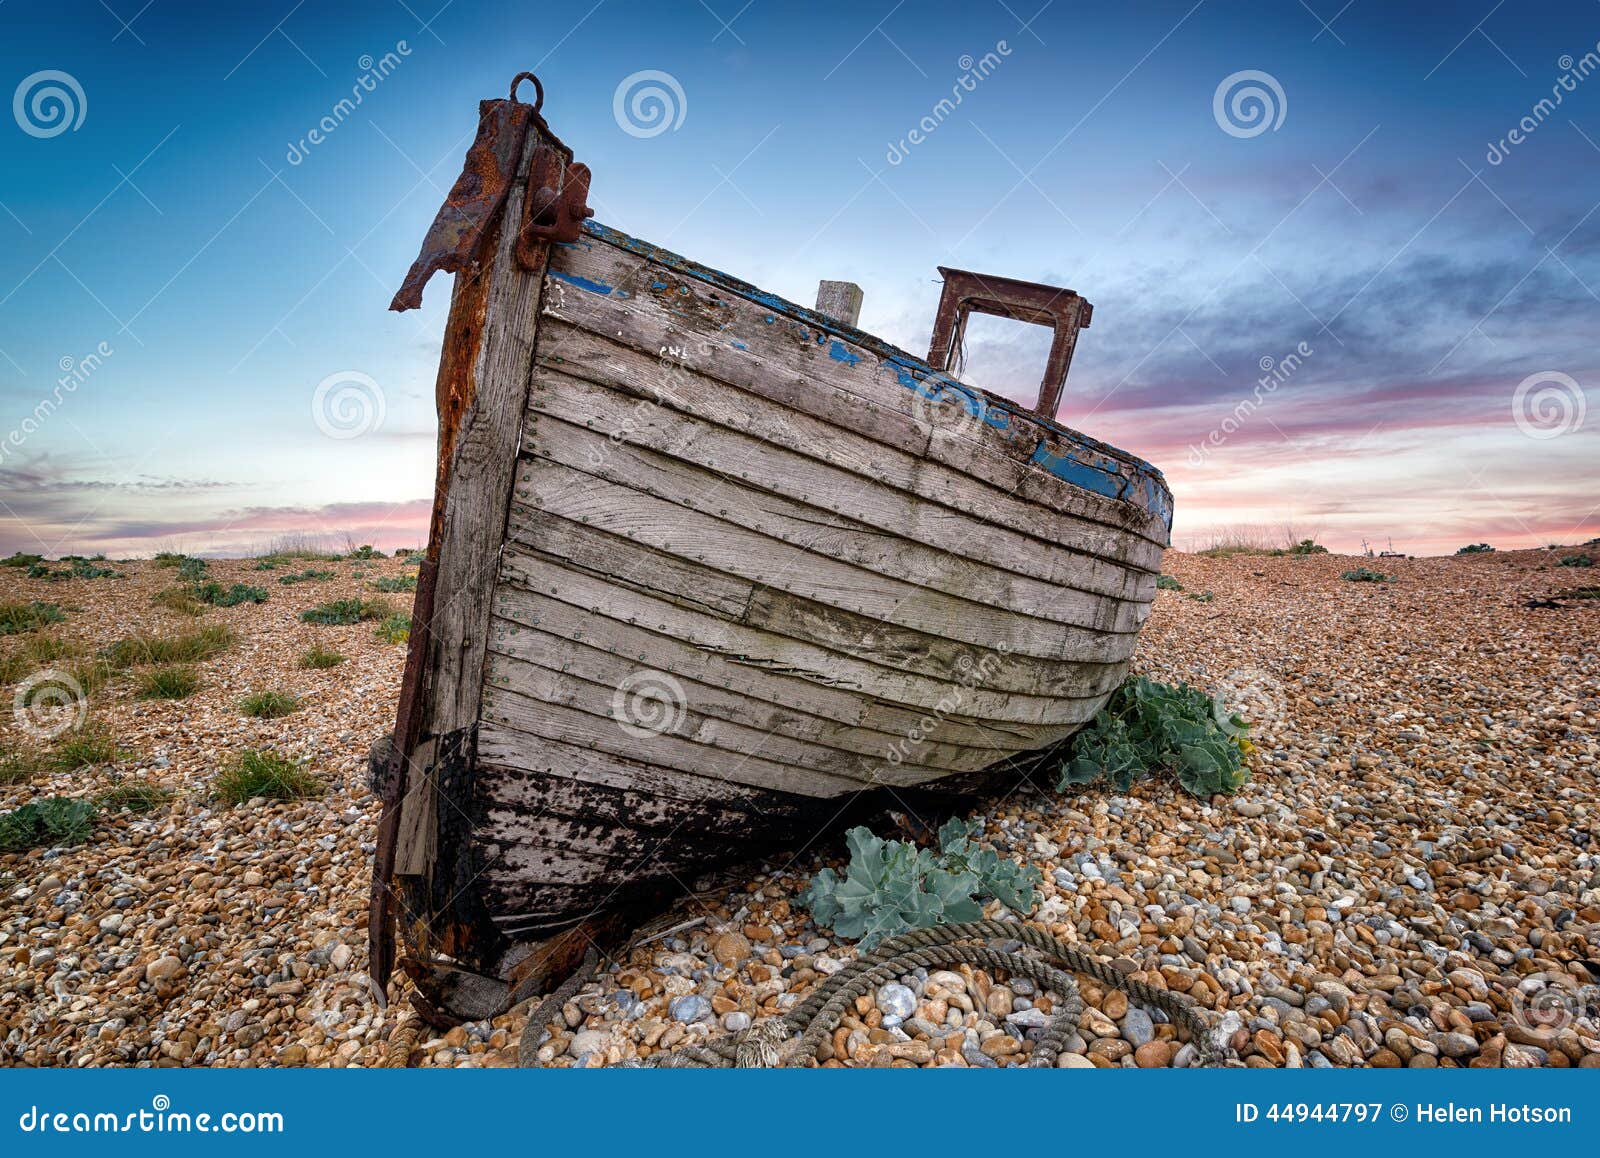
(1088,558)
(718,324)
(752,504)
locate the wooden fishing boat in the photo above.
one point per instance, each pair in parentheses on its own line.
(709,571)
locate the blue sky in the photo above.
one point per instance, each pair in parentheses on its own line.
(1365,239)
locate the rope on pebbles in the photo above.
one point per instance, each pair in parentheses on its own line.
(793,1038)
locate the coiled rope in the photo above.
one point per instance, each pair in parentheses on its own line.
(794,1038)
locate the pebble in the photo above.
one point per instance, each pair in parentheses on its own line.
(690,1008)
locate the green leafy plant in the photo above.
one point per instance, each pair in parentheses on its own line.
(319,657)
(1308,547)
(1475,549)
(168,681)
(892,886)
(18,559)
(1200,596)
(346,611)
(1577,561)
(89,569)
(1168,583)
(168,559)
(309,575)
(395,583)
(216,595)
(365,551)
(192,569)
(16,618)
(395,629)
(268,705)
(54,820)
(263,773)
(1362,575)
(1148,727)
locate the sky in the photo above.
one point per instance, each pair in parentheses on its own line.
(1344,257)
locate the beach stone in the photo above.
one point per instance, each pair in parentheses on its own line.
(731,948)
(1137,1028)
(690,1008)
(896,1001)
(1152,1055)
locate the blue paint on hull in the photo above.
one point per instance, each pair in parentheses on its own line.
(1069,455)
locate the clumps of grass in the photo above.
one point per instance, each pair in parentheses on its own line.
(191,647)
(168,681)
(17,618)
(18,559)
(1577,561)
(365,551)
(91,674)
(309,575)
(320,658)
(215,595)
(193,569)
(169,559)
(395,629)
(132,796)
(1148,727)
(17,766)
(394,583)
(1168,583)
(1307,547)
(36,651)
(1579,593)
(1362,575)
(48,822)
(269,705)
(84,747)
(342,612)
(266,565)
(260,773)
(891,887)
(1475,549)
(179,599)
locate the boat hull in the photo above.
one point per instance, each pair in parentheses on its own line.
(716,572)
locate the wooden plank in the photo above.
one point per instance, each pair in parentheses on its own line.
(1082,554)
(756,504)
(528,578)
(639,643)
(726,334)
(586,679)
(724,548)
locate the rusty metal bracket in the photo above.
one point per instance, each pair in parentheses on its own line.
(967,293)
(556,206)
(555,209)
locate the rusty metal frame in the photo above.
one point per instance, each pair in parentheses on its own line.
(966,293)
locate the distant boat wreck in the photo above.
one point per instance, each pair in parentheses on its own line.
(709,571)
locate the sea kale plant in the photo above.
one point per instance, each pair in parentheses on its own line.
(892,886)
(1148,727)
